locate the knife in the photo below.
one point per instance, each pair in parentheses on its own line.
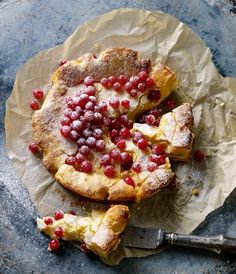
(152,238)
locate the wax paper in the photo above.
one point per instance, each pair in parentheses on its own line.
(162,38)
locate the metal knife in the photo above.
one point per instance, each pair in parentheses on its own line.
(152,238)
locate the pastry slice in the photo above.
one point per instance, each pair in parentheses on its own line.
(100,232)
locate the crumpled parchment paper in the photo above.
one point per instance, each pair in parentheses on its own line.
(163,38)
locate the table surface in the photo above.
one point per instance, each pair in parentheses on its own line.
(29,26)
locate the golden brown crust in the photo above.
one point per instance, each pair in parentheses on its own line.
(100,232)
(46,124)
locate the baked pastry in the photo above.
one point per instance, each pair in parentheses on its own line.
(100,232)
(84,127)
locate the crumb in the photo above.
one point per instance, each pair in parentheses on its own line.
(195,192)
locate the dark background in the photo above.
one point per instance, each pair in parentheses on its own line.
(29,26)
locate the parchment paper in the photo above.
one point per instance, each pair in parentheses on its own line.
(163,38)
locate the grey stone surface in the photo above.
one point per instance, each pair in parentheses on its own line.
(29,26)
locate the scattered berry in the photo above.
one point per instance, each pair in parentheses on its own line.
(125,103)
(79,158)
(105,82)
(158,149)
(62,62)
(125,133)
(149,82)
(84,248)
(115,155)
(88,81)
(100,145)
(129,181)
(58,231)
(134,80)
(33,148)
(141,87)
(65,121)
(53,245)
(142,143)
(72,212)
(170,104)
(112,80)
(106,160)
(58,215)
(109,171)
(71,160)
(143,75)
(122,79)
(137,135)
(86,166)
(136,168)
(152,166)
(199,156)
(117,86)
(121,144)
(114,103)
(150,119)
(38,93)
(128,87)
(34,105)
(84,150)
(154,95)
(48,221)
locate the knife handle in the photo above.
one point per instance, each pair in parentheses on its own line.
(217,243)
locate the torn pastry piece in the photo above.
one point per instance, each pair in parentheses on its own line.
(100,232)
(83,128)
(173,132)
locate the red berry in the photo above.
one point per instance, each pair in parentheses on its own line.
(115,123)
(102,106)
(150,119)
(154,95)
(106,121)
(86,166)
(48,221)
(158,149)
(156,112)
(87,133)
(130,124)
(34,105)
(71,105)
(152,166)
(72,212)
(84,150)
(136,168)
(33,148)
(117,86)
(126,157)
(84,248)
(143,75)
(170,104)
(90,91)
(121,144)
(91,142)
(114,103)
(122,79)
(65,131)
(74,115)
(93,100)
(67,112)
(58,231)
(58,215)
(88,81)
(38,93)
(123,119)
(125,133)
(142,143)
(115,155)
(136,136)
(109,171)
(128,87)
(77,125)
(89,106)
(198,155)
(71,160)
(62,62)
(141,87)
(113,133)
(154,158)
(149,82)
(157,122)
(134,80)
(125,103)
(74,135)
(81,141)
(98,117)
(129,181)
(112,80)
(89,115)
(54,245)
(133,93)
(161,160)
(105,82)
(79,158)
(65,121)
(106,160)
(97,133)
(100,145)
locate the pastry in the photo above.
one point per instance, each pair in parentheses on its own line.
(99,232)
(86,132)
